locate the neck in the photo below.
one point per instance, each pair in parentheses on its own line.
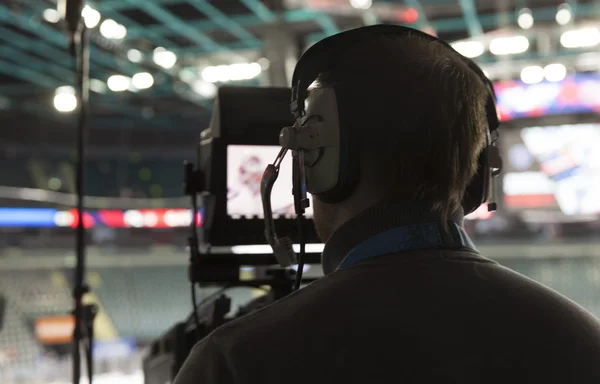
(376,219)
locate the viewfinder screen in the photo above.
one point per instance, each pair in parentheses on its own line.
(245,167)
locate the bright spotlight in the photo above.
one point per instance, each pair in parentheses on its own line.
(509,45)
(51,15)
(134,55)
(65,102)
(361,4)
(120,32)
(555,72)
(580,38)
(112,30)
(525,19)
(245,71)
(532,75)
(142,80)
(233,72)
(563,14)
(164,58)
(91,17)
(118,83)
(215,74)
(469,49)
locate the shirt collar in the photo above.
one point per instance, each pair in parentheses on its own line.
(374,220)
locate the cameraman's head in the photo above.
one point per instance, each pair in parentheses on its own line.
(419,113)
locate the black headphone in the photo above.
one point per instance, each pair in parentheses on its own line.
(331,168)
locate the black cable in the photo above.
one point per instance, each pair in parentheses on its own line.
(194,306)
(89,350)
(301,240)
(194,253)
(206,300)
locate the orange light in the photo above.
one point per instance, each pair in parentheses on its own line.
(55,329)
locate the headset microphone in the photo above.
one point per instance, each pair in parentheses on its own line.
(282,247)
(290,140)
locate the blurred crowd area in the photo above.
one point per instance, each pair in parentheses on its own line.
(134,176)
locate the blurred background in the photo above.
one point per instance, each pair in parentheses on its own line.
(155,69)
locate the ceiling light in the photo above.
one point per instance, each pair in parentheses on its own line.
(361,4)
(91,17)
(525,19)
(244,71)
(215,74)
(65,102)
(142,80)
(118,83)
(555,72)
(532,75)
(51,15)
(134,55)
(112,30)
(469,49)
(509,45)
(580,38)
(563,14)
(164,58)
(234,72)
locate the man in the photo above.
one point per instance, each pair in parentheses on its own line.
(433,316)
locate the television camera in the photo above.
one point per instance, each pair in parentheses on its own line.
(241,140)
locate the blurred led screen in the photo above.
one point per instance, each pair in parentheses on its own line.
(575,94)
(553,168)
(110,218)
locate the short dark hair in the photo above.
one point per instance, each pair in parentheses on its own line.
(419,113)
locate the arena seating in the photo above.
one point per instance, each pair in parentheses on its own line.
(144,302)
(578,279)
(115,177)
(29,295)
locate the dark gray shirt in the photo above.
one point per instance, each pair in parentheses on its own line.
(433,316)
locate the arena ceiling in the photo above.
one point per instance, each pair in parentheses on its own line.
(175,40)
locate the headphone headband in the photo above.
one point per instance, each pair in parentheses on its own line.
(322,56)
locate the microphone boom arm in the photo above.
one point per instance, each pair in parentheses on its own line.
(282,247)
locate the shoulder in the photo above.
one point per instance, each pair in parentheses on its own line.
(208,364)
(278,316)
(234,350)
